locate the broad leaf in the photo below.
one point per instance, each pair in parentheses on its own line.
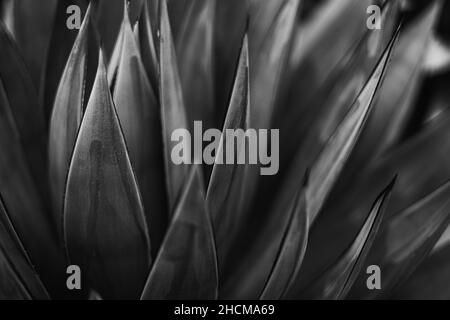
(70,102)
(104,223)
(186,266)
(226,182)
(139,116)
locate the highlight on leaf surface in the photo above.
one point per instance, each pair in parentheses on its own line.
(104,223)
(186,265)
(338,279)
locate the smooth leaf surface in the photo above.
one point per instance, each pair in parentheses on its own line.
(104,223)
(139,116)
(225,185)
(24,103)
(406,239)
(27,214)
(292,251)
(339,278)
(70,102)
(195,52)
(186,266)
(328,166)
(16,267)
(172,107)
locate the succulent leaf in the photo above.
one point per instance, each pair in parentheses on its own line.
(172,107)
(15,266)
(225,187)
(104,223)
(292,251)
(139,116)
(70,102)
(338,279)
(186,266)
(406,239)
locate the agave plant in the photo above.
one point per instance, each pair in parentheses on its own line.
(86,172)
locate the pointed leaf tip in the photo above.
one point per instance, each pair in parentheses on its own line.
(104,224)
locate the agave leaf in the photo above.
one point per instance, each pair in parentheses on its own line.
(292,251)
(272,48)
(336,282)
(430,280)
(405,240)
(28,217)
(147,44)
(25,108)
(116,55)
(61,42)
(394,105)
(172,107)
(30,22)
(108,15)
(311,143)
(225,185)
(329,34)
(15,261)
(341,216)
(317,99)
(138,112)
(329,165)
(195,55)
(70,102)
(104,223)
(228,42)
(186,266)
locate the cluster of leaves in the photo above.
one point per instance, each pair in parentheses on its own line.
(86,175)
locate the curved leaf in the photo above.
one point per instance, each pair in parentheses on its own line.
(27,215)
(70,102)
(292,251)
(337,280)
(186,266)
(195,53)
(328,166)
(15,262)
(226,183)
(104,223)
(405,240)
(172,107)
(139,116)
(25,108)
(147,44)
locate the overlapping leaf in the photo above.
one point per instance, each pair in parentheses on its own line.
(328,166)
(16,271)
(226,183)
(70,103)
(195,49)
(186,266)
(28,217)
(292,250)
(25,108)
(336,282)
(104,223)
(406,239)
(172,107)
(139,116)
(147,43)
